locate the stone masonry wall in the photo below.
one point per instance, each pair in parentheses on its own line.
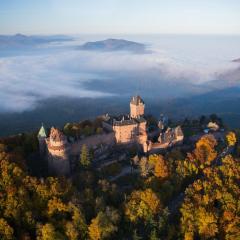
(92,141)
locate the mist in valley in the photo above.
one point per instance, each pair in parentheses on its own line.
(54,81)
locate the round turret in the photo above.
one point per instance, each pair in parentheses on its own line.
(58,151)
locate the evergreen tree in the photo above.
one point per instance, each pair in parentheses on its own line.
(136,236)
(84,157)
(153,235)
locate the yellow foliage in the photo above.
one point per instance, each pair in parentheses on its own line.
(204,151)
(231,138)
(200,158)
(142,204)
(188,236)
(207,223)
(94,230)
(104,225)
(47,232)
(159,165)
(71,231)
(6,232)
(210,207)
(56,205)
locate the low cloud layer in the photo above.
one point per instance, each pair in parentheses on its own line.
(66,72)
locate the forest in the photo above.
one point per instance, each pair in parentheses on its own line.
(186,194)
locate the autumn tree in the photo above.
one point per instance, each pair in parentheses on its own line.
(231,139)
(211,205)
(142,205)
(48,232)
(28,203)
(154,164)
(202,156)
(104,225)
(160,169)
(6,232)
(204,151)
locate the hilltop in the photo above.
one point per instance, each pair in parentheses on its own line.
(236,60)
(21,40)
(117,191)
(113,45)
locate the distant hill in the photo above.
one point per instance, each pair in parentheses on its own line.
(58,111)
(236,60)
(113,45)
(224,103)
(20,40)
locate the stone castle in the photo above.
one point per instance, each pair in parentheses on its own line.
(125,130)
(131,128)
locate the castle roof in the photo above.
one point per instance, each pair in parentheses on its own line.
(136,100)
(123,120)
(56,135)
(179,131)
(42,132)
(140,119)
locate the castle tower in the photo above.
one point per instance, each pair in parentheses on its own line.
(42,140)
(137,107)
(58,152)
(163,122)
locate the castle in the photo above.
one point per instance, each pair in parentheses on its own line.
(131,128)
(57,149)
(125,130)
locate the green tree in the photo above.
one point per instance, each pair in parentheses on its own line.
(84,157)
(153,235)
(135,235)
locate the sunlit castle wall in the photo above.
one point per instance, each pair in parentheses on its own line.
(58,152)
(125,133)
(137,107)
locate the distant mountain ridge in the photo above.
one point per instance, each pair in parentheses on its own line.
(113,45)
(20,40)
(236,60)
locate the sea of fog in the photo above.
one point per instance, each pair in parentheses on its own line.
(173,66)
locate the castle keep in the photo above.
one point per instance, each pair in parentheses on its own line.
(132,128)
(124,129)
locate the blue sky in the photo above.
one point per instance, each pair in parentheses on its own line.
(120,16)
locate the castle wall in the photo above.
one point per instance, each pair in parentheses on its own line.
(57,143)
(125,133)
(142,126)
(42,145)
(58,153)
(107,126)
(92,141)
(58,157)
(136,110)
(58,165)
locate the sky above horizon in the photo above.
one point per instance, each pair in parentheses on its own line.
(120,17)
